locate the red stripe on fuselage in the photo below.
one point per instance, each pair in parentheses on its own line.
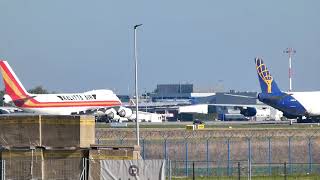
(37,103)
(73,104)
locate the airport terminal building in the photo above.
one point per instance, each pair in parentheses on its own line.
(180,102)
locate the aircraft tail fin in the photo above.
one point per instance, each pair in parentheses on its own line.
(13,86)
(267,83)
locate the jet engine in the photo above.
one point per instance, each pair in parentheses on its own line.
(6,99)
(132,117)
(248,111)
(124,112)
(112,114)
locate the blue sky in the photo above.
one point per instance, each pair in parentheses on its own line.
(79,45)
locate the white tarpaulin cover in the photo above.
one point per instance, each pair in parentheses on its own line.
(132,169)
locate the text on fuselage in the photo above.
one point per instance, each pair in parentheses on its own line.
(78,97)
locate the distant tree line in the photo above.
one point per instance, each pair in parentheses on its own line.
(35,90)
(38,90)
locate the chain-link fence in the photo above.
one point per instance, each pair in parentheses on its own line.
(44,169)
(240,170)
(268,149)
(175,169)
(207,154)
(218,154)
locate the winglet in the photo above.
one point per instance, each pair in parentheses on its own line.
(267,83)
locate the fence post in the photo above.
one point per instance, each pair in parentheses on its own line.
(86,170)
(170,170)
(249,159)
(310,154)
(269,155)
(228,165)
(186,165)
(143,148)
(285,170)
(193,175)
(1,164)
(218,171)
(207,157)
(82,172)
(3,169)
(289,154)
(239,173)
(165,148)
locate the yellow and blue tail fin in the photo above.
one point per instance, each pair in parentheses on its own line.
(267,83)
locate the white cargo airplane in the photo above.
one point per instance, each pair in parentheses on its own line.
(103,102)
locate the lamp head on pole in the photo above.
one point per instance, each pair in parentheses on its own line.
(289,51)
(135,26)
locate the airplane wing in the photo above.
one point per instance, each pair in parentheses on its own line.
(243,96)
(247,110)
(240,105)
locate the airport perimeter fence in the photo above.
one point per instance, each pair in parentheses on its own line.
(219,156)
(36,168)
(211,157)
(175,169)
(240,170)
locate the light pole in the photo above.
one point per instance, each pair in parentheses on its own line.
(136,80)
(290,52)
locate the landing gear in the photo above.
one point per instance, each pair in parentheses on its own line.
(300,120)
(103,118)
(304,119)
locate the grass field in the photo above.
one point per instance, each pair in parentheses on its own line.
(178,131)
(218,125)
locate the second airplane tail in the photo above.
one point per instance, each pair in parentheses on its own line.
(267,83)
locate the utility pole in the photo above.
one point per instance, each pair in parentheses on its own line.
(290,52)
(136,81)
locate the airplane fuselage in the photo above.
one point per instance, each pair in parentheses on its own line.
(296,104)
(66,104)
(310,101)
(100,101)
